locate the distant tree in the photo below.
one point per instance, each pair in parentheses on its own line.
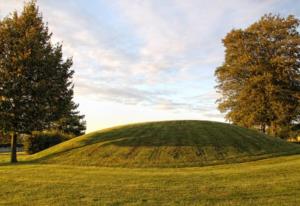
(35,81)
(259,81)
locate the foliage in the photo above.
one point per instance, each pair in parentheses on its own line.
(71,123)
(259,80)
(35,81)
(4,138)
(39,141)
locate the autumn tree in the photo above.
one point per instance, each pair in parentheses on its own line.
(35,80)
(259,80)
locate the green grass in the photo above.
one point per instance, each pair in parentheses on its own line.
(274,181)
(149,165)
(166,144)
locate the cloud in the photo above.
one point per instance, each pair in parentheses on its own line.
(102,92)
(156,53)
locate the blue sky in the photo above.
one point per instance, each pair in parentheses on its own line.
(147,60)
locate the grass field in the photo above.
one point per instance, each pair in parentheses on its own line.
(150,164)
(166,144)
(274,181)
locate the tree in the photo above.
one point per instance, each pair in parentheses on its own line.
(259,80)
(35,81)
(71,123)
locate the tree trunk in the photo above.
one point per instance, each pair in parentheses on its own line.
(13,157)
(263,128)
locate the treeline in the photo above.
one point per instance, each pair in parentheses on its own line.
(259,81)
(36,89)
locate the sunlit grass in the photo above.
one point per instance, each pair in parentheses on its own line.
(74,173)
(274,181)
(166,144)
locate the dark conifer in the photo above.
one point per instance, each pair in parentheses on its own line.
(35,82)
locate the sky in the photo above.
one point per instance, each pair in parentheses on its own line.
(147,60)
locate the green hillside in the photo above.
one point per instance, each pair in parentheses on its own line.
(166,144)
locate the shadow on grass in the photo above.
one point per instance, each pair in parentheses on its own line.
(177,165)
(18,163)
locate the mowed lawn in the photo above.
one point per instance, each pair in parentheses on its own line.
(166,144)
(274,181)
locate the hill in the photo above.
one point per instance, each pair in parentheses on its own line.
(166,144)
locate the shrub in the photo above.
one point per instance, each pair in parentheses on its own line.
(5,140)
(289,132)
(39,141)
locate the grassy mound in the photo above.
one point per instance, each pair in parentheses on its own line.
(166,144)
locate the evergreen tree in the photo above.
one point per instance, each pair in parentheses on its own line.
(71,123)
(35,81)
(259,80)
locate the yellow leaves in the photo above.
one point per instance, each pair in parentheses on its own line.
(261,70)
(2,98)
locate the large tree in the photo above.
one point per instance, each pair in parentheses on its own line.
(72,123)
(35,81)
(259,80)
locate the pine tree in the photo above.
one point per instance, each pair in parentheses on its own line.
(259,80)
(35,81)
(71,123)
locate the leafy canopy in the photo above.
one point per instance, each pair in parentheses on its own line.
(259,80)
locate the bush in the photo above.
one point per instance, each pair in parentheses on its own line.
(284,132)
(39,141)
(289,132)
(5,140)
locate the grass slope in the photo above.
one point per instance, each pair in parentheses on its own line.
(166,144)
(274,181)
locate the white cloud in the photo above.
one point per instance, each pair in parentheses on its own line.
(156,53)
